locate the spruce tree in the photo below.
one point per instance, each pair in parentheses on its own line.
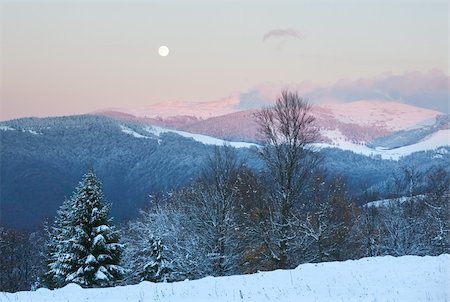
(61,259)
(157,268)
(86,247)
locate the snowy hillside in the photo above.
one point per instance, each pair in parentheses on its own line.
(407,278)
(137,160)
(432,142)
(156,132)
(351,124)
(337,140)
(207,140)
(240,126)
(392,116)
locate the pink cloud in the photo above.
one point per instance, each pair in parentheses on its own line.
(289,32)
(423,89)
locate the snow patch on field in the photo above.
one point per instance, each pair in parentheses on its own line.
(204,139)
(407,278)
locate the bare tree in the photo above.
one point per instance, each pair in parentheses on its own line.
(406,182)
(252,218)
(402,229)
(219,199)
(328,219)
(438,210)
(366,235)
(197,224)
(288,131)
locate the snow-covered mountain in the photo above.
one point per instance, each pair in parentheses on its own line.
(431,137)
(373,128)
(407,278)
(359,121)
(169,109)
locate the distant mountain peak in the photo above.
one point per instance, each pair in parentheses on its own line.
(393,116)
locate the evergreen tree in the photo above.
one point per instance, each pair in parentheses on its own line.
(85,247)
(61,260)
(157,268)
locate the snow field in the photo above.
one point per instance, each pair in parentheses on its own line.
(407,278)
(432,142)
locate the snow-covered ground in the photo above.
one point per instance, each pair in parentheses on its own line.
(408,278)
(432,142)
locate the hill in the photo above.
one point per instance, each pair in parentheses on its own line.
(359,122)
(407,278)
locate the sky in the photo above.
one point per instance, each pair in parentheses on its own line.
(69,57)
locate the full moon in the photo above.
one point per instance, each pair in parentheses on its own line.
(163,51)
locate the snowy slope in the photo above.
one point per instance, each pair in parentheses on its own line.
(360,121)
(432,142)
(408,278)
(337,140)
(392,116)
(204,139)
(157,131)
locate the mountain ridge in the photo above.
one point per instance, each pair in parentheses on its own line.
(359,122)
(43,158)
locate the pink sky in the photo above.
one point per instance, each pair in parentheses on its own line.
(70,57)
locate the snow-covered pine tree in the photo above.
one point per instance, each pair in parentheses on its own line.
(96,243)
(61,259)
(87,249)
(157,268)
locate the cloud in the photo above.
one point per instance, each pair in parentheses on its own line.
(423,89)
(288,32)
(265,94)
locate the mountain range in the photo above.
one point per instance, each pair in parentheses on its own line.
(42,159)
(365,127)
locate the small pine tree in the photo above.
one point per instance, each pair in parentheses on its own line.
(157,268)
(86,248)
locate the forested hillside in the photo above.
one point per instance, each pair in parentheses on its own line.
(42,160)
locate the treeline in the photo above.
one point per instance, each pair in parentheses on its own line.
(22,259)
(224,228)
(195,232)
(233,220)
